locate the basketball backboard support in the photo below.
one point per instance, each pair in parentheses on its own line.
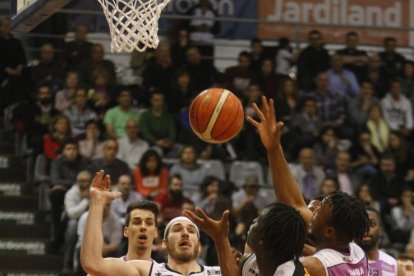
(27,14)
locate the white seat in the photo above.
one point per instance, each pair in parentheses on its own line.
(240,170)
(214,168)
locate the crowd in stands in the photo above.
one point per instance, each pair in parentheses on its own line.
(348,127)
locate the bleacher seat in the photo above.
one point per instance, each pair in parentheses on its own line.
(214,168)
(240,170)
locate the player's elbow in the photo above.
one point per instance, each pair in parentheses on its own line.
(89,264)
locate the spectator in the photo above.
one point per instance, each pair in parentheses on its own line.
(397,110)
(267,79)
(306,124)
(313,60)
(182,93)
(386,185)
(354,59)
(406,263)
(112,232)
(14,85)
(76,203)
(284,58)
(64,97)
(49,69)
(407,80)
(79,113)
(308,176)
(91,147)
(109,163)
(97,61)
(138,62)
(131,147)
(207,197)
(239,77)
(342,81)
(202,73)
(378,128)
(34,118)
(117,117)
(191,172)
(102,94)
(180,46)
(347,180)
(330,105)
(403,218)
(150,175)
(358,106)
(77,50)
(64,171)
(247,203)
(171,203)
(59,133)
(409,249)
(203,27)
(363,193)
(392,62)
(399,148)
(160,71)
(326,148)
(256,53)
(287,102)
(364,156)
(376,76)
(157,125)
(329,185)
(128,196)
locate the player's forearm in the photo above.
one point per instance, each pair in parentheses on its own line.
(284,183)
(227,261)
(92,245)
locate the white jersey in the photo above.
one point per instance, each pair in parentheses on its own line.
(354,263)
(384,266)
(162,269)
(249,268)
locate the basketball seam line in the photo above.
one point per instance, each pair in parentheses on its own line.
(216,112)
(232,122)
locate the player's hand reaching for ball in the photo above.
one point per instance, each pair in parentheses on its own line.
(101,188)
(267,126)
(216,229)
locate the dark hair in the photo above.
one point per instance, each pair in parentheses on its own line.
(69,142)
(334,179)
(377,213)
(318,197)
(245,54)
(144,159)
(284,42)
(351,33)
(312,32)
(255,41)
(206,182)
(171,177)
(348,217)
(283,232)
(142,205)
(389,39)
(405,257)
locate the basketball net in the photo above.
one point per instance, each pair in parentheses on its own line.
(133,24)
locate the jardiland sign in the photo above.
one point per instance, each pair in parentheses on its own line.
(350,14)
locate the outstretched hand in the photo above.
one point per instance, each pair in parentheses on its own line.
(216,229)
(267,126)
(101,187)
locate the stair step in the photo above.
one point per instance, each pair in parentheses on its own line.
(38,231)
(24,247)
(31,265)
(14,217)
(24,202)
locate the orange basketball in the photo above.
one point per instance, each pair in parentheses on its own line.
(216,115)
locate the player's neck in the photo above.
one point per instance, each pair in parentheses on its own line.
(267,267)
(139,255)
(373,254)
(185,268)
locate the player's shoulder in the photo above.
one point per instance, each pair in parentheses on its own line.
(313,266)
(385,257)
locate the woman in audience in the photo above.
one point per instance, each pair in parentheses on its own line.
(363,193)
(91,147)
(378,128)
(191,172)
(403,155)
(64,97)
(407,80)
(327,148)
(58,134)
(181,94)
(288,101)
(101,94)
(329,185)
(209,193)
(364,155)
(150,175)
(267,79)
(403,217)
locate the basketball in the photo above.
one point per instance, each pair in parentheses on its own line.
(216,115)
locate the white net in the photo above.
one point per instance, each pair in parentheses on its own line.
(133,24)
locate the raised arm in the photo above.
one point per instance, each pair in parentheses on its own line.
(284,184)
(219,232)
(92,245)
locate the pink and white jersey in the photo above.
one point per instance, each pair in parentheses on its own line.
(162,269)
(384,266)
(336,263)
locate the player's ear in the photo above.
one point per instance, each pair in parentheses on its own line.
(126,231)
(164,243)
(329,233)
(156,232)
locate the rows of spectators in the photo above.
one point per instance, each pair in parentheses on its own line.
(348,126)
